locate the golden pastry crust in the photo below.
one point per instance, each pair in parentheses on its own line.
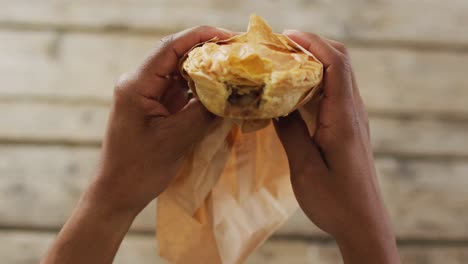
(256,75)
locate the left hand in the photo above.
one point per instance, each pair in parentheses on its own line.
(332,172)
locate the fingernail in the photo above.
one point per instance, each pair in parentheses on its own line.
(225,30)
(291,31)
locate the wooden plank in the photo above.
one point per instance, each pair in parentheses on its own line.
(40,185)
(41,188)
(411,81)
(29,121)
(56,65)
(84,123)
(84,66)
(28,248)
(425,198)
(431,21)
(425,136)
(173,15)
(282,251)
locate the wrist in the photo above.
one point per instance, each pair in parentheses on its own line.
(369,247)
(92,234)
(102,205)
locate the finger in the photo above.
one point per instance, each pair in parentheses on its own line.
(341,48)
(299,146)
(336,66)
(361,107)
(176,96)
(337,45)
(190,124)
(163,62)
(357,95)
(316,45)
(309,113)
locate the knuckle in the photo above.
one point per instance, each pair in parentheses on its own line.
(122,87)
(350,129)
(339,136)
(341,47)
(167,40)
(203,28)
(341,62)
(119,97)
(313,36)
(366,124)
(324,139)
(123,82)
(201,114)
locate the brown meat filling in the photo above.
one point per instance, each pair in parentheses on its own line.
(245,96)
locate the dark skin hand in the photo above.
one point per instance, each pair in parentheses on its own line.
(143,149)
(332,173)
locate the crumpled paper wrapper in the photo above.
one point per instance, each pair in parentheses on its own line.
(231,194)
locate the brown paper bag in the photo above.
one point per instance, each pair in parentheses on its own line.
(233,192)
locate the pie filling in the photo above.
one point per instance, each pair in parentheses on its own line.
(245,96)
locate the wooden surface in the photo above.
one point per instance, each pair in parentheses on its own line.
(142,249)
(430,21)
(42,122)
(59,60)
(426,198)
(392,79)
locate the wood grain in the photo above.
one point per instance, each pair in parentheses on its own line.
(30,247)
(300,252)
(39,187)
(426,199)
(85,124)
(60,59)
(431,21)
(57,65)
(142,249)
(46,65)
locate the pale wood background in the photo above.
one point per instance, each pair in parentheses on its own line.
(59,60)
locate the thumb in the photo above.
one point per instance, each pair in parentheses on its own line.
(191,123)
(300,148)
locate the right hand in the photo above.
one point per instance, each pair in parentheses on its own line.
(332,173)
(147,137)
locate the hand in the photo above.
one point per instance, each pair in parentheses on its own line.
(152,126)
(332,172)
